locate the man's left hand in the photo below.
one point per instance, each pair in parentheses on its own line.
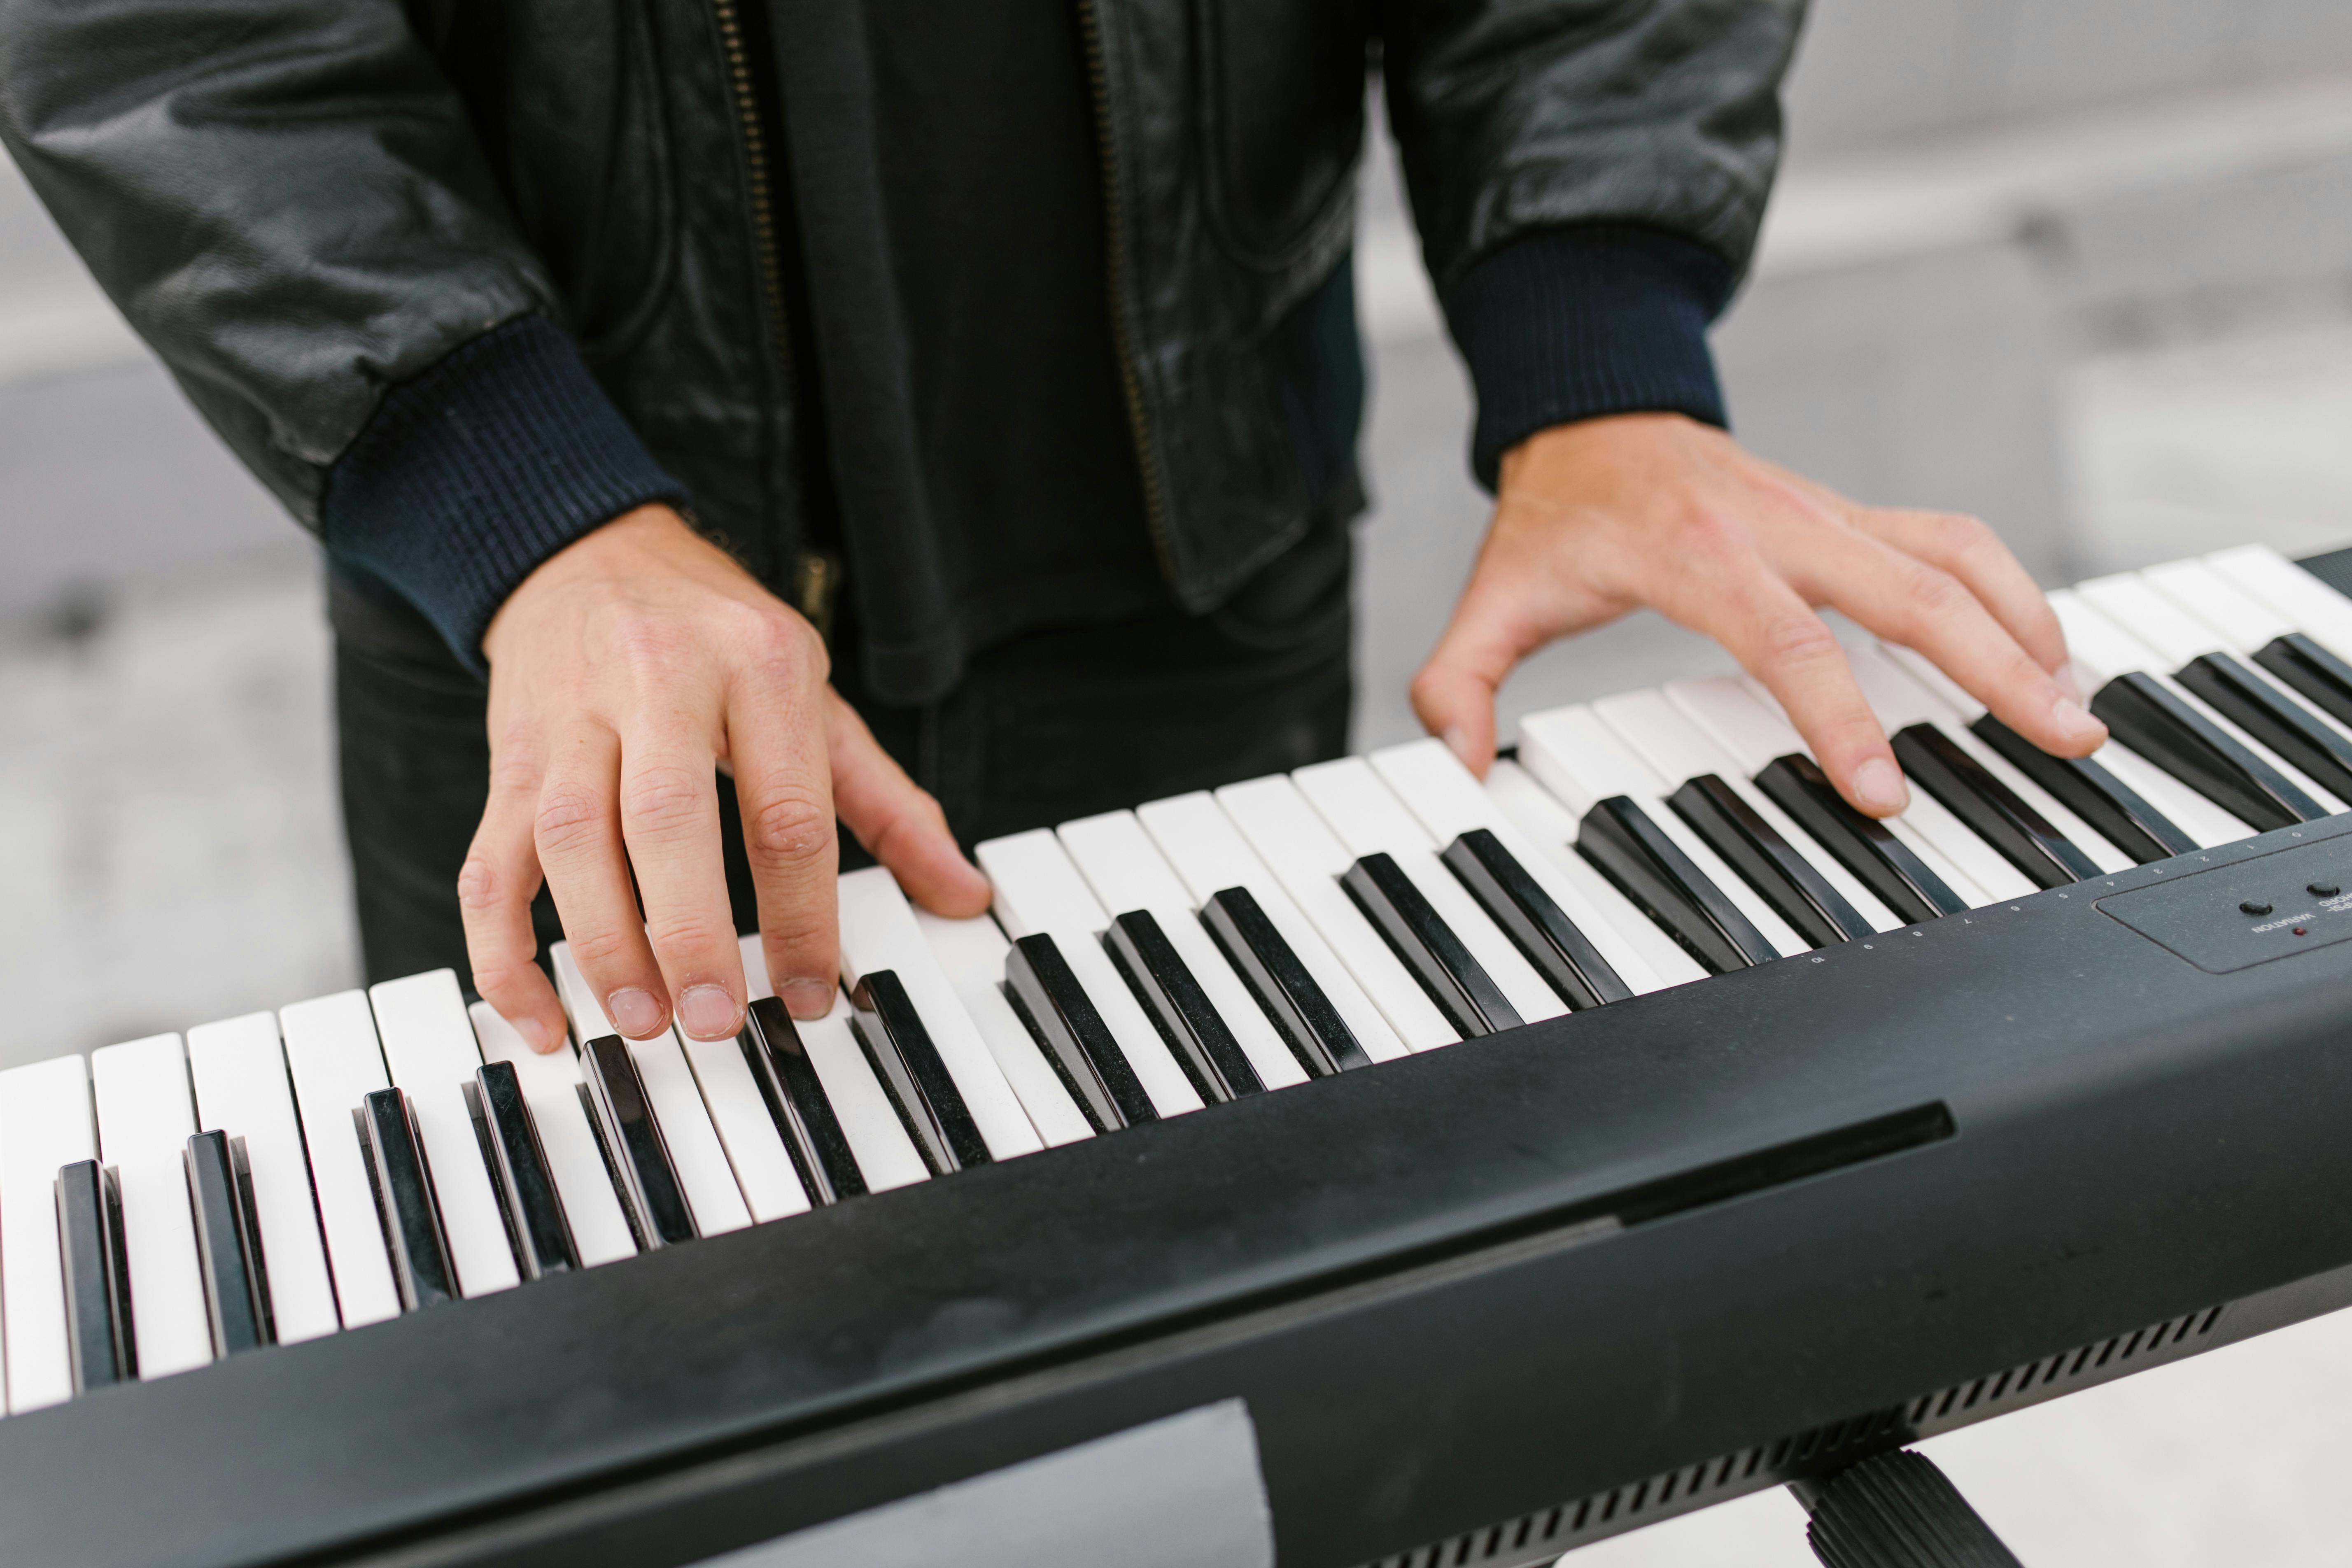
(1596,518)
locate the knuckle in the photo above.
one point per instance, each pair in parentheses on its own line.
(477,883)
(595,950)
(1798,641)
(570,817)
(1930,593)
(664,801)
(1964,535)
(788,828)
(495,981)
(1703,533)
(685,936)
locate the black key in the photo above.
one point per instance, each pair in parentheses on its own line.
(2117,811)
(1186,1018)
(1651,870)
(907,1062)
(403,1196)
(1427,946)
(99,1339)
(1300,1012)
(804,1116)
(1537,926)
(2151,720)
(1993,811)
(1754,849)
(2256,706)
(1048,996)
(1879,861)
(536,1224)
(229,1245)
(635,1140)
(2312,670)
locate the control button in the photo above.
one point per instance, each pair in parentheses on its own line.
(2253,907)
(2322,890)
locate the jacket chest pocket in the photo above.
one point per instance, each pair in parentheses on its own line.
(1284,118)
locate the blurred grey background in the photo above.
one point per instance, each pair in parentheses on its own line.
(2083,268)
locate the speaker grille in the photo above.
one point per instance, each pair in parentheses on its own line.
(1541,1535)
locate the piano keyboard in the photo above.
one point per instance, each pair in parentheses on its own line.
(169,1201)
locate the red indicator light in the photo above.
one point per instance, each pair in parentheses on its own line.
(2303,931)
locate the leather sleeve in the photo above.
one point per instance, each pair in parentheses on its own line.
(285,198)
(1516,116)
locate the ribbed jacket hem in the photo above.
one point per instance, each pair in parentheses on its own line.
(472,474)
(1574,324)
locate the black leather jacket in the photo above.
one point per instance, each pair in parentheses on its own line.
(301,203)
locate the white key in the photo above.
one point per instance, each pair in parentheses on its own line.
(1369,819)
(2206,823)
(1679,750)
(1546,824)
(1898,702)
(1127,872)
(885,1155)
(430,1051)
(1445,796)
(1309,861)
(739,1114)
(877,1138)
(1953,719)
(971,954)
(2306,603)
(2236,624)
(1204,848)
(240,1073)
(45,1123)
(1973,868)
(550,1086)
(878,931)
(332,1055)
(1572,754)
(2104,648)
(1747,722)
(2244,623)
(2178,637)
(144,1122)
(1038,890)
(695,1151)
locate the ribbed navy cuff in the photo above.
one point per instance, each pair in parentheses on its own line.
(472,474)
(1573,324)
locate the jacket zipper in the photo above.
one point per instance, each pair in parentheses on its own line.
(1147,457)
(815,576)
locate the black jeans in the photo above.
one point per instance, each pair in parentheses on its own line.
(1053,725)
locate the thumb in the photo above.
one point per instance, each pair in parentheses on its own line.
(1454,695)
(897,820)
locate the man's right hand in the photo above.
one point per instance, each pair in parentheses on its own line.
(625,672)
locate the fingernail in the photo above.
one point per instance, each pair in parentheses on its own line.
(534,1035)
(707,1012)
(806,999)
(1457,743)
(635,1013)
(2068,718)
(1878,787)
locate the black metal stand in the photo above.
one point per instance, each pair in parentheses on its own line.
(1897,1510)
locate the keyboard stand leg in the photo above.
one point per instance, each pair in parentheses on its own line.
(1896,1511)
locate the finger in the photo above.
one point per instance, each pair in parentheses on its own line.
(1515,602)
(1777,638)
(1906,600)
(1974,554)
(897,822)
(776,738)
(670,820)
(578,834)
(495,889)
